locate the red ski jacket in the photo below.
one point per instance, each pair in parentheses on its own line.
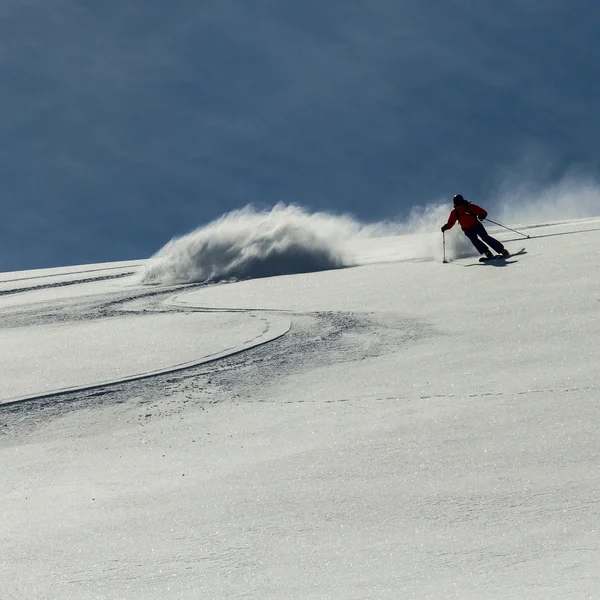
(466,215)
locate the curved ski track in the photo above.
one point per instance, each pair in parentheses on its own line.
(308,341)
(110,305)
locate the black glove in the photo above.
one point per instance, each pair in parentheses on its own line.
(481,218)
(444,228)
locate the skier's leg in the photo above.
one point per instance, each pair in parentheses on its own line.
(489,240)
(481,247)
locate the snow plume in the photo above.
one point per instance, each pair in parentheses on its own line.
(573,197)
(537,189)
(250,243)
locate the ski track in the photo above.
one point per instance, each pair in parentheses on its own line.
(313,338)
(95,309)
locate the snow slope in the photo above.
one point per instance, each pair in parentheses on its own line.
(411,429)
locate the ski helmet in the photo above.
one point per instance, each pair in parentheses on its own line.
(458,199)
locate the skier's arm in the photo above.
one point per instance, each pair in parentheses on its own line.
(451,221)
(479,212)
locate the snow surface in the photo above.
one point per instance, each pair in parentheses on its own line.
(401,428)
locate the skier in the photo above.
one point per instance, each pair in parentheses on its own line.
(469,216)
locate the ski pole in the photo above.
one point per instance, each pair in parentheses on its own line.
(505,227)
(444,245)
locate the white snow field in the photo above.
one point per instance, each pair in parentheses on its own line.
(398,429)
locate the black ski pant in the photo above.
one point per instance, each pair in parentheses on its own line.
(479,235)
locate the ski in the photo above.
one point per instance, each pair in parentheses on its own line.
(495,257)
(484,259)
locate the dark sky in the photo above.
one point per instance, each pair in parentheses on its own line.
(124,124)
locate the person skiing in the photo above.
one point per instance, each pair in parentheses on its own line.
(469,216)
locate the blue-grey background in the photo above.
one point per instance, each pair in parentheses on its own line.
(123,124)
